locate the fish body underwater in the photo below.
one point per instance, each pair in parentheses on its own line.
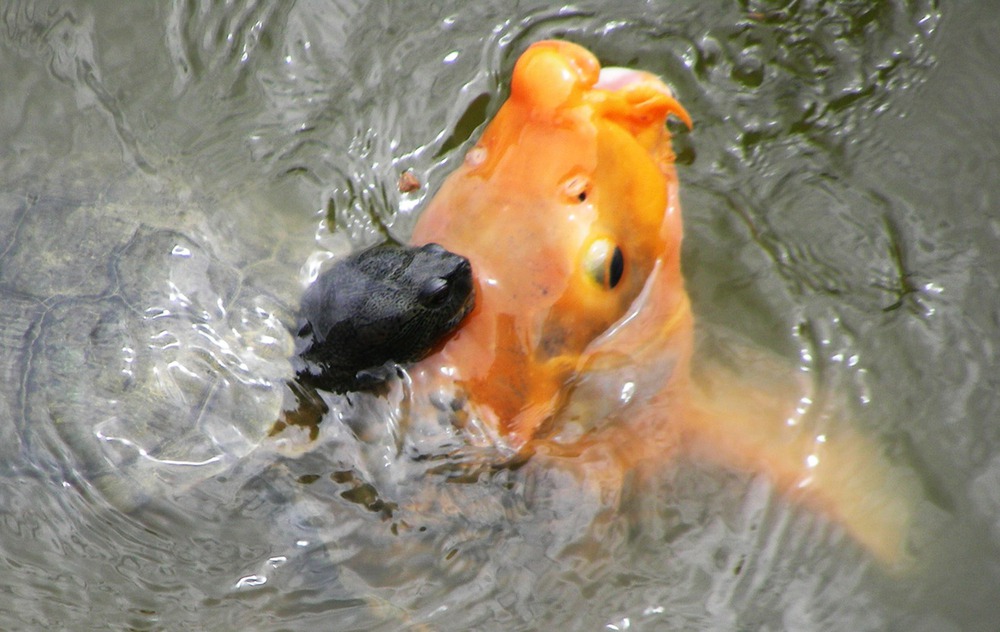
(582,335)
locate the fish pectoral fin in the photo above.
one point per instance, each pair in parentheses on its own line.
(767,423)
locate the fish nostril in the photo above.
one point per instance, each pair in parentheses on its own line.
(577,188)
(476,156)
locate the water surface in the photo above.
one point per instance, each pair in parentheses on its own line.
(173,173)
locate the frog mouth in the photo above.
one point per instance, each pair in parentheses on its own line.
(468,304)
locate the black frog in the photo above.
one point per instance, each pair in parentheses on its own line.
(386,305)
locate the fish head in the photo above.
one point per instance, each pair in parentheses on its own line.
(567,210)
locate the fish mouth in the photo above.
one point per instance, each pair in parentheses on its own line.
(615,78)
(640,87)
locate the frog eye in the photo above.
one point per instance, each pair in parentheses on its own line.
(577,188)
(605,263)
(434,292)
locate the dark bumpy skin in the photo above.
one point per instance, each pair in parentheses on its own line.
(383,305)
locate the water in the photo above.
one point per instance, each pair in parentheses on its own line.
(166,174)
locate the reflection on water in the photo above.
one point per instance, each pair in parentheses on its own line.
(169,171)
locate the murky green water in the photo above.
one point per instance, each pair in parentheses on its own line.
(165,172)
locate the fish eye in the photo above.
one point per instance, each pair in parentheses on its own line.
(616,268)
(605,263)
(434,292)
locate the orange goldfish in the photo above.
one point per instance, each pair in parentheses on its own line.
(582,333)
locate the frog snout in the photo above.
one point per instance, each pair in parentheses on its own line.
(460,277)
